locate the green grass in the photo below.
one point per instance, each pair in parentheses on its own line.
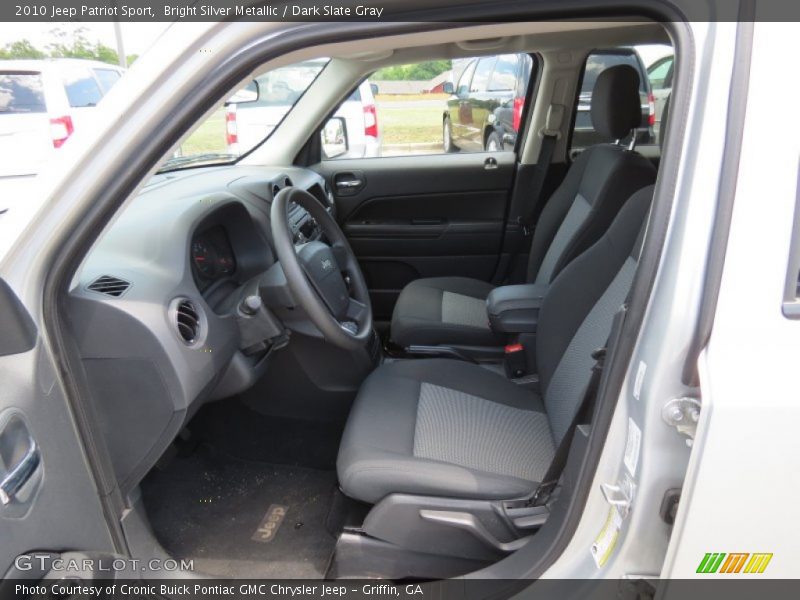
(209,137)
(409,97)
(411,125)
(404,125)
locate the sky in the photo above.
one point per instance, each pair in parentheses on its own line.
(137,37)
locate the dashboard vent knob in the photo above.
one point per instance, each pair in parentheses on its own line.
(109,285)
(188,321)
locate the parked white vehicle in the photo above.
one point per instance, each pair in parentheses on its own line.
(247,123)
(42,102)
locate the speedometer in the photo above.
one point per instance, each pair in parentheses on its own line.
(204,259)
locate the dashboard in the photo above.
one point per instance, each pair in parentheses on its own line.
(155,306)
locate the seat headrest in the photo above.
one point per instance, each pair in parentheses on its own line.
(662,128)
(616,106)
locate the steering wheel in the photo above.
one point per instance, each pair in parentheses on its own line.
(325,280)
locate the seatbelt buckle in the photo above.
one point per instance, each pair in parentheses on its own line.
(516,364)
(542,494)
(523,224)
(599,356)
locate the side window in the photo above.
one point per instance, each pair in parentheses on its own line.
(481,78)
(107,78)
(466,79)
(21,93)
(660,74)
(438,107)
(504,77)
(584,134)
(82,89)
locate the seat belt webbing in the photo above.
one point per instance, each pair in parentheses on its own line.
(537,185)
(553,474)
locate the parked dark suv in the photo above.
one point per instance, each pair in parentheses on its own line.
(485,109)
(598,61)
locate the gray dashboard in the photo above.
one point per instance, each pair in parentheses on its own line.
(156,328)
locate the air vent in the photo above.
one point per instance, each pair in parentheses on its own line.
(287,182)
(275,190)
(110,286)
(188,321)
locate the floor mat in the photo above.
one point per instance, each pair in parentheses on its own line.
(238,430)
(209,507)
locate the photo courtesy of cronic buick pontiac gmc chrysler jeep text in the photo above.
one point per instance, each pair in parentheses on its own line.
(515,333)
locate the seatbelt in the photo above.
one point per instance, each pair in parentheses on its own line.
(550,480)
(550,135)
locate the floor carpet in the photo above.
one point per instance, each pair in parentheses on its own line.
(222,512)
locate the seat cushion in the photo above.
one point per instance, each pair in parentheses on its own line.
(444,310)
(443,428)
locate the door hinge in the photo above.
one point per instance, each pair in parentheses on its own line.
(683,414)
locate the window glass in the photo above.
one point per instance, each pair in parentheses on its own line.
(658,75)
(584,134)
(82,89)
(21,93)
(107,78)
(248,117)
(597,63)
(429,108)
(504,77)
(466,78)
(482,72)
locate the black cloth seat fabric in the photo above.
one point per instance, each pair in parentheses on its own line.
(444,310)
(448,311)
(453,429)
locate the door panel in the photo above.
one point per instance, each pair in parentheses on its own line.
(423,216)
(48,498)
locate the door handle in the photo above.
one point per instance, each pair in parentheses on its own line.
(20,473)
(349,183)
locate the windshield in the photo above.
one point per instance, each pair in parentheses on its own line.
(246,118)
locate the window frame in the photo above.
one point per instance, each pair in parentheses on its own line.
(473,64)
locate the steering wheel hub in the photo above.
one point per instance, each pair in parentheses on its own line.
(316,271)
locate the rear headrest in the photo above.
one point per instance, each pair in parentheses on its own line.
(616,106)
(662,129)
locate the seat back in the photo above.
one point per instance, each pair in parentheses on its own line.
(597,184)
(577,313)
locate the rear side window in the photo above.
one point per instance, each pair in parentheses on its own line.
(583,133)
(107,78)
(82,89)
(21,93)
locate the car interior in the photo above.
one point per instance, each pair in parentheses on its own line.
(303,367)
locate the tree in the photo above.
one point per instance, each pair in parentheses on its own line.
(423,71)
(65,45)
(21,49)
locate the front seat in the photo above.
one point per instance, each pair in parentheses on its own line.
(452,310)
(454,429)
